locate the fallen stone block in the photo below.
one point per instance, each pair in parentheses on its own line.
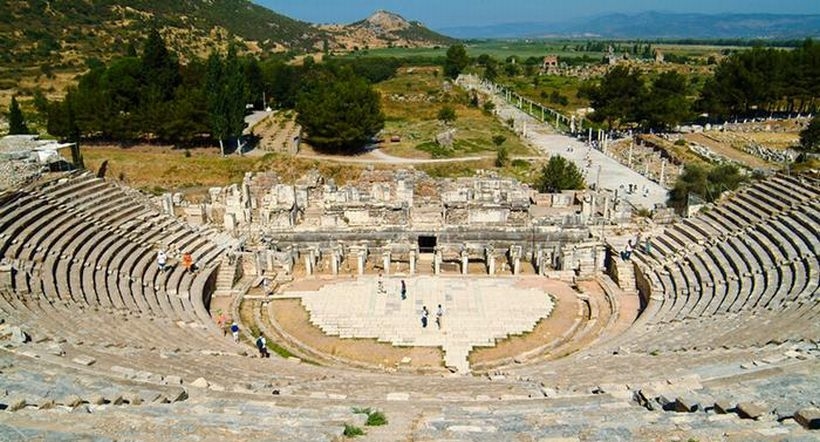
(665,403)
(84,360)
(97,399)
(172,380)
(809,418)
(200,383)
(132,398)
(646,398)
(178,396)
(147,396)
(686,404)
(723,406)
(71,400)
(117,399)
(81,409)
(45,403)
(750,410)
(15,403)
(18,336)
(56,350)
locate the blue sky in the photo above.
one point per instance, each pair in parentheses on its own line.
(439,14)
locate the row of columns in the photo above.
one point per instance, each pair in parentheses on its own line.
(519,101)
(543,260)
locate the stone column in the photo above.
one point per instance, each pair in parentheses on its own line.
(309,263)
(386,262)
(663,172)
(515,257)
(490,257)
(334,262)
(360,261)
(437,262)
(412,262)
(259,264)
(168,204)
(465,262)
(269,261)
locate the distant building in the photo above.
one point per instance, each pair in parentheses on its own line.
(658,56)
(549,65)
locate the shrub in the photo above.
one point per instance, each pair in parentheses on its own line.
(352,431)
(376,419)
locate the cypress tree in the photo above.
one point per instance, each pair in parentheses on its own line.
(17,123)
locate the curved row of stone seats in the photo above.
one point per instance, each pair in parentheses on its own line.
(755,204)
(77,324)
(36,397)
(83,240)
(736,266)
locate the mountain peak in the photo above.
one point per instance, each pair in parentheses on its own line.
(386,21)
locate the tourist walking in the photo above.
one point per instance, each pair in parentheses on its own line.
(439,316)
(424,315)
(162,259)
(235,331)
(403,290)
(380,285)
(262,345)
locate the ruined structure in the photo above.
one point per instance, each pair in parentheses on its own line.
(388,220)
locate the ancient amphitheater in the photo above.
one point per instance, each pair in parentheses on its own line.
(709,334)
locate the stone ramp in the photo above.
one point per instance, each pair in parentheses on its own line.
(477,312)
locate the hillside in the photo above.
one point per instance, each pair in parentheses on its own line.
(68,32)
(656,25)
(64,34)
(384,29)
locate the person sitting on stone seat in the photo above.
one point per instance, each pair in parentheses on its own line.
(188,262)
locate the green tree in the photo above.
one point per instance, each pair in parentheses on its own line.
(617,98)
(559,174)
(666,105)
(235,94)
(17,122)
(706,182)
(502,156)
(490,70)
(160,70)
(456,61)
(339,111)
(810,136)
(225,91)
(447,114)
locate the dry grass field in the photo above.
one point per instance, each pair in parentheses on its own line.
(411,102)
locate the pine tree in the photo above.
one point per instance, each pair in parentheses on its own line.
(17,123)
